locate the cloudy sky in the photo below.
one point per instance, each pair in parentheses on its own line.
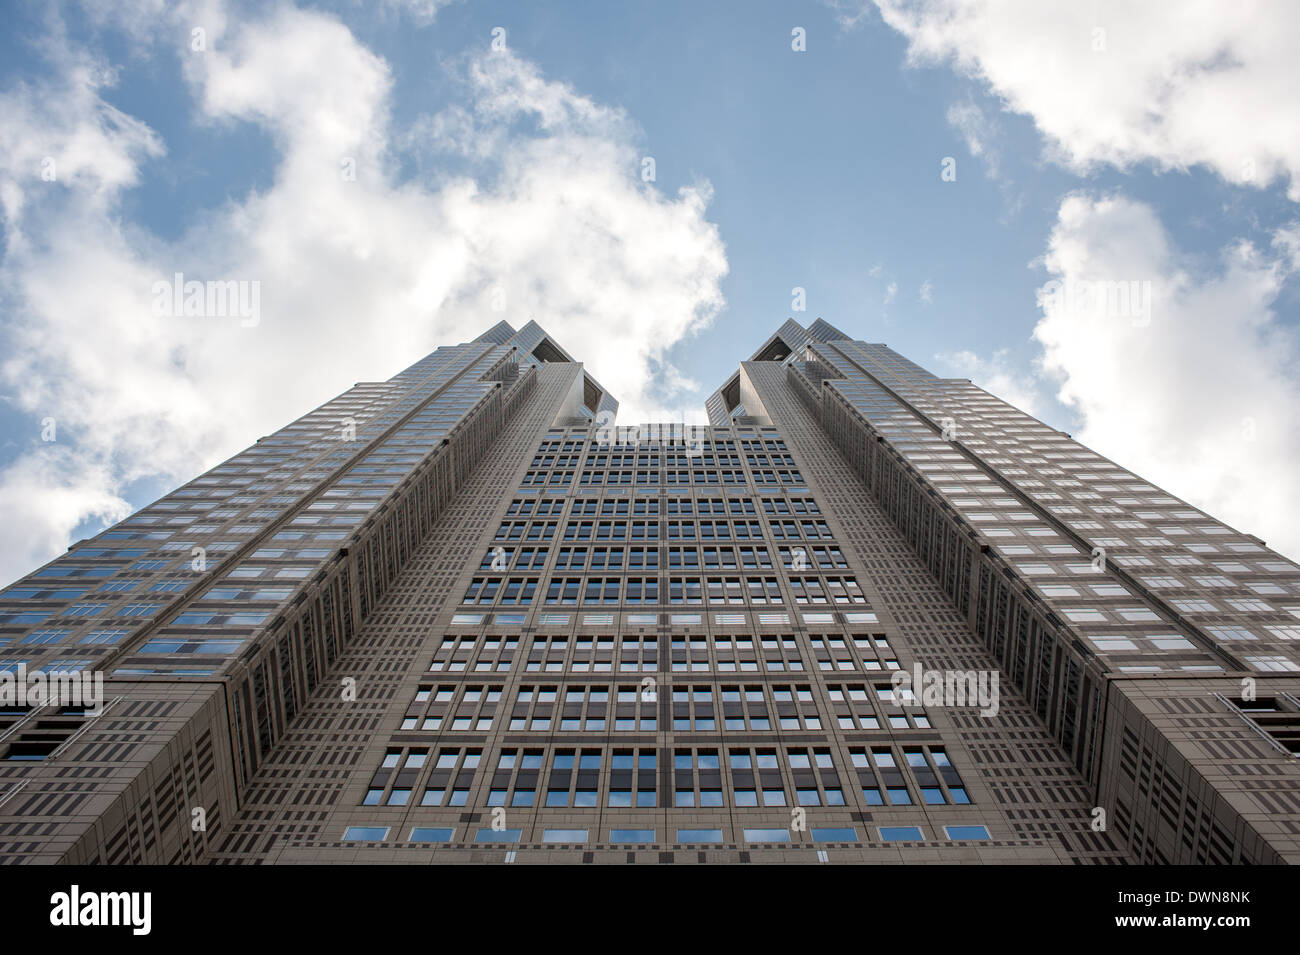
(651,182)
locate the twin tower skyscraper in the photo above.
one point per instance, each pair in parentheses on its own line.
(867,614)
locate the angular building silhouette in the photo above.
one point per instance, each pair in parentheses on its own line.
(867,614)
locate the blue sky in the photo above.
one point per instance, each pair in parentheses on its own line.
(1147,153)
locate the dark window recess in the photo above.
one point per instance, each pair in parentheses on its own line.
(547,351)
(40,740)
(777,351)
(731,394)
(1275,718)
(590,393)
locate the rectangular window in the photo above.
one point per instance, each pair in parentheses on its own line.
(835,835)
(967,833)
(901,834)
(365,834)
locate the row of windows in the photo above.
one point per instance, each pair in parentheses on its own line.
(651,506)
(522,530)
(633,707)
(688,558)
(770,777)
(612,591)
(699,653)
(698,836)
(750,777)
(696,456)
(699,475)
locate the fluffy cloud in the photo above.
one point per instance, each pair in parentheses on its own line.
(996,375)
(43,495)
(422,12)
(358,274)
(1197,393)
(979,131)
(68,142)
(1198,83)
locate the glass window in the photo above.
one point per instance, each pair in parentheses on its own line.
(967,833)
(365,834)
(901,834)
(835,835)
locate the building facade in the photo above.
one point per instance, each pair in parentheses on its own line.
(865,615)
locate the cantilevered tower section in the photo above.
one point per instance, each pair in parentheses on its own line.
(1159,646)
(213,614)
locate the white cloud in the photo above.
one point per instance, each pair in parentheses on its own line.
(1201,82)
(979,132)
(66,488)
(676,381)
(358,278)
(996,375)
(1201,399)
(422,12)
(926,292)
(69,140)
(891,290)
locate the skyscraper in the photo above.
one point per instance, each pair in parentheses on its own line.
(867,614)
